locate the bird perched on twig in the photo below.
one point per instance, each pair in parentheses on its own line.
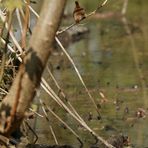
(78,13)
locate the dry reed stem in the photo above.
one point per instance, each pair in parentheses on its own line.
(78,74)
(46,117)
(19,20)
(11,33)
(56,98)
(11,49)
(9,20)
(64,96)
(58,118)
(36,113)
(124,8)
(4,91)
(25,24)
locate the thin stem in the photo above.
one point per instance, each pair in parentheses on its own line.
(25,24)
(124,8)
(11,33)
(58,100)
(64,96)
(11,49)
(4,91)
(46,116)
(19,20)
(9,19)
(79,75)
(57,117)
(36,113)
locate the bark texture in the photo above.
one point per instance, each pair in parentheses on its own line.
(28,78)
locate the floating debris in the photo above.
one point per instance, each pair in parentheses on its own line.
(140,113)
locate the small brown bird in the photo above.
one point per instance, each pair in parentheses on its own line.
(78,13)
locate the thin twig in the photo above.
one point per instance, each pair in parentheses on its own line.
(48,89)
(4,91)
(56,98)
(124,8)
(67,28)
(46,116)
(9,20)
(57,117)
(36,112)
(3,18)
(34,12)
(79,75)
(25,24)
(64,96)
(23,16)
(11,49)
(36,136)
(11,33)
(19,20)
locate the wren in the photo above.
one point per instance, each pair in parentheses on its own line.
(78,13)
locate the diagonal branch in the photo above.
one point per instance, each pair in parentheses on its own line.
(79,75)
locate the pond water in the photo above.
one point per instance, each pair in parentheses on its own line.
(110,61)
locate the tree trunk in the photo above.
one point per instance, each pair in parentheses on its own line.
(28,78)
